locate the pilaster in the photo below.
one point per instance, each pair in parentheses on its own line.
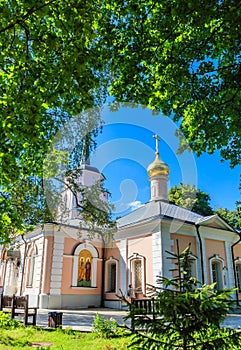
(57,264)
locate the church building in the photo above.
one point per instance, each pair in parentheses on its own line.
(59,267)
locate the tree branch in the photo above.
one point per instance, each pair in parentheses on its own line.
(88,210)
(29,13)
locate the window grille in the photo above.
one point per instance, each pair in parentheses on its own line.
(137,280)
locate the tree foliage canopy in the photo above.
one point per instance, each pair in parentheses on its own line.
(48,72)
(58,58)
(191,198)
(182,58)
(233,217)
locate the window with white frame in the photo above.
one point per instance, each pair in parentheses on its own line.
(238,274)
(31,261)
(137,272)
(216,267)
(111,276)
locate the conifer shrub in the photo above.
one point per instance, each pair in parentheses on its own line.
(187,314)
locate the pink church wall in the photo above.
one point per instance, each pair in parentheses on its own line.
(70,244)
(237,251)
(183,242)
(143,246)
(67,276)
(112,251)
(213,247)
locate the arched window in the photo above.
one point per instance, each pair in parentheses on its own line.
(85,266)
(216,269)
(30,264)
(238,273)
(111,275)
(137,272)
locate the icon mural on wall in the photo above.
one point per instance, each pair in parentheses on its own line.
(84,269)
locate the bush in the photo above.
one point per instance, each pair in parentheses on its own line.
(106,328)
(7,322)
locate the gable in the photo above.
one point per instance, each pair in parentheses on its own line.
(216,222)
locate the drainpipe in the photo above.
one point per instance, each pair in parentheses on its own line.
(102,300)
(201,251)
(234,268)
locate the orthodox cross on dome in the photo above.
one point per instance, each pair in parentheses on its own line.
(86,148)
(157,145)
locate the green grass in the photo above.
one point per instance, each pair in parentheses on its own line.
(20,338)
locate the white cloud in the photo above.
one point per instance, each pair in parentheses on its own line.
(135,205)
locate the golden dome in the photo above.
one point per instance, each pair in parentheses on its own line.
(158,167)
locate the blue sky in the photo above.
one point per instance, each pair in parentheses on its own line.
(126,147)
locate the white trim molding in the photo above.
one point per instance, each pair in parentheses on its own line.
(223,270)
(131,259)
(108,262)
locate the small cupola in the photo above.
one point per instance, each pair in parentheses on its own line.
(158,172)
